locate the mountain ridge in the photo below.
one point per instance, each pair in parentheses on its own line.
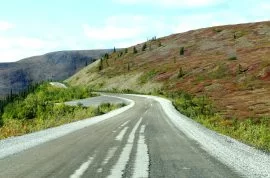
(59,65)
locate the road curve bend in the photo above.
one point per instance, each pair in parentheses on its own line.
(147,138)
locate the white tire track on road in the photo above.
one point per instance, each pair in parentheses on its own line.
(246,160)
(121,135)
(141,167)
(79,172)
(120,165)
(125,123)
(109,155)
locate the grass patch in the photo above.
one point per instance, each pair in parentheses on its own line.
(59,115)
(221,71)
(217,30)
(232,58)
(147,76)
(239,34)
(254,132)
(44,108)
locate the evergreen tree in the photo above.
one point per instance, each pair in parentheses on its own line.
(144,47)
(159,44)
(120,54)
(100,67)
(128,67)
(182,51)
(134,50)
(107,62)
(180,73)
(106,56)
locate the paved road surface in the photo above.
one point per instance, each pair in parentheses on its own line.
(141,142)
(96,101)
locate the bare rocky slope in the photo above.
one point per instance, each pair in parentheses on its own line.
(52,66)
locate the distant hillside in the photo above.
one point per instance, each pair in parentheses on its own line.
(229,64)
(52,66)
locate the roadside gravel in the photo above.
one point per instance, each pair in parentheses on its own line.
(244,159)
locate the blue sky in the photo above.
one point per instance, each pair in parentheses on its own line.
(32,27)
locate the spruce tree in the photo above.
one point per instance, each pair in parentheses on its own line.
(144,47)
(182,51)
(134,50)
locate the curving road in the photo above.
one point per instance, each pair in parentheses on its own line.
(146,140)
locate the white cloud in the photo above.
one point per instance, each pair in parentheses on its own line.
(264,6)
(172,3)
(192,22)
(261,10)
(16,48)
(25,42)
(130,20)
(4,26)
(128,43)
(35,43)
(117,28)
(12,55)
(125,30)
(111,32)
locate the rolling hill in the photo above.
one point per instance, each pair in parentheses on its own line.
(228,64)
(52,66)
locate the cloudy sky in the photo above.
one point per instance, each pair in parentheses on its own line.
(31,27)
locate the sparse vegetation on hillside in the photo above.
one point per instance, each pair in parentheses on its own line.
(147,76)
(229,64)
